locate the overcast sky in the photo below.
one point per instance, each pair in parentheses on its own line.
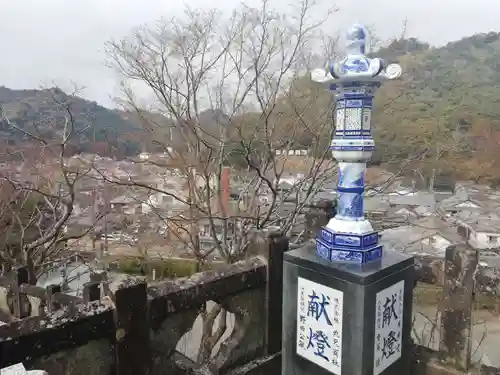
(59,41)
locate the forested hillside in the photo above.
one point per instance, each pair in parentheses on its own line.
(43,112)
(446,110)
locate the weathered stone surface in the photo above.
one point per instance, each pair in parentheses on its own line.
(246,341)
(39,336)
(242,270)
(317,216)
(429,269)
(260,366)
(117,281)
(94,358)
(77,338)
(185,293)
(4,307)
(487,280)
(456,314)
(174,307)
(244,338)
(132,346)
(164,340)
(31,303)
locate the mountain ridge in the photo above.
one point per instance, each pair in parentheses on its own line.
(443,89)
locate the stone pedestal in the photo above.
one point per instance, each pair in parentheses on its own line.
(343,318)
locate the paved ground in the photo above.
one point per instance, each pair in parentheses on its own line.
(485,334)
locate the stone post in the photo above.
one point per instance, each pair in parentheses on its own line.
(456,311)
(132,346)
(53,305)
(91,291)
(276,246)
(21,307)
(317,216)
(347,305)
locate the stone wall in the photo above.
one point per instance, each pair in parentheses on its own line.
(93,358)
(136,328)
(175,305)
(69,341)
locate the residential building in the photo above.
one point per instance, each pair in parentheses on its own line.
(470,197)
(480,229)
(430,235)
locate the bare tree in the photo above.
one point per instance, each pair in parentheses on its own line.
(38,187)
(228,93)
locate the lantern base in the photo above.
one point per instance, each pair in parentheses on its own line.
(348,247)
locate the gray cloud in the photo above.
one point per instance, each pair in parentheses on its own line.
(59,41)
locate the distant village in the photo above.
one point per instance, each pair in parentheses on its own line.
(427,222)
(127,219)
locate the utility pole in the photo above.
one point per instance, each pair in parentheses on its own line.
(94,217)
(106,208)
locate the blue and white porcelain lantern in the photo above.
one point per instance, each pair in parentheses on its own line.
(349,237)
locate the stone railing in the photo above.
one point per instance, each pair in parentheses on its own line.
(125,326)
(50,330)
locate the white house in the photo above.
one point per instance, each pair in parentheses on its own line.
(126,204)
(156,201)
(144,156)
(285,152)
(482,230)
